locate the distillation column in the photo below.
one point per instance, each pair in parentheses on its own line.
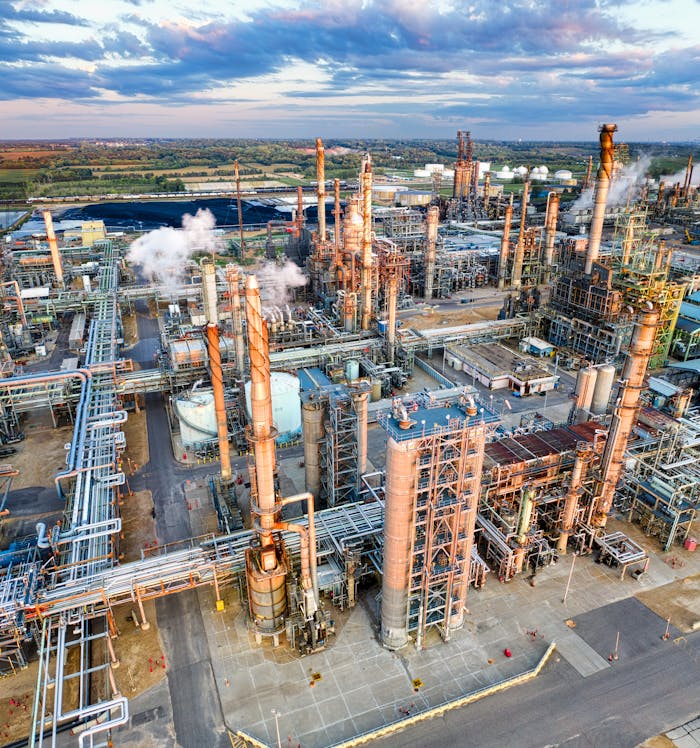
(401,458)
(232,277)
(505,247)
(600,195)
(312,411)
(583,456)
(625,412)
(366,290)
(431,240)
(550,233)
(321,189)
(53,246)
(213,349)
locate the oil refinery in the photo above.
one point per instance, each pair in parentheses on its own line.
(375,469)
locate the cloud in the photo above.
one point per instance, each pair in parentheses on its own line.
(494,62)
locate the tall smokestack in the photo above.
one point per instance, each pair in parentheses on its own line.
(300,211)
(487,190)
(505,247)
(520,246)
(429,262)
(336,214)
(550,233)
(391,322)
(600,195)
(366,184)
(53,246)
(236,319)
(321,188)
(587,179)
(239,206)
(625,411)
(688,176)
(214,350)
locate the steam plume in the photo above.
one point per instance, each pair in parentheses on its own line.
(277,280)
(626,185)
(162,254)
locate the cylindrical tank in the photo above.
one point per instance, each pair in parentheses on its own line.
(352,370)
(312,412)
(585,386)
(603,389)
(286,404)
(197,418)
(376,391)
(398,528)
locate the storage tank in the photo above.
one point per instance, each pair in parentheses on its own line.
(585,386)
(352,370)
(197,417)
(603,389)
(286,405)
(376,391)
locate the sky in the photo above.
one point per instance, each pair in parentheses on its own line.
(503,69)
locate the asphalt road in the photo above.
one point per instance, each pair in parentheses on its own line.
(197,715)
(648,690)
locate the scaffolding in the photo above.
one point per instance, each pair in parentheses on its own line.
(338,456)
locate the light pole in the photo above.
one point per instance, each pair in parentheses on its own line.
(276,715)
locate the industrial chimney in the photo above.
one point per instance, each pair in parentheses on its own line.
(53,246)
(321,188)
(520,246)
(366,279)
(600,195)
(550,233)
(214,351)
(505,247)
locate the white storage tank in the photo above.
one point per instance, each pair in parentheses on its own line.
(286,405)
(197,417)
(603,389)
(585,386)
(352,370)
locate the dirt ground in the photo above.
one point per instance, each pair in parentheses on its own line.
(658,741)
(16,701)
(142,663)
(131,333)
(679,600)
(138,525)
(425,318)
(42,453)
(136,454)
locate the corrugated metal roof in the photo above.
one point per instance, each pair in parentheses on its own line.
(687,325)
(691,311)
(693,365)
(662,386)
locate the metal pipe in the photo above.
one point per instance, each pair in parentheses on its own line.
(505,248)
(519,256)
(366,291)
(600,195)
(551,232)
(53,246)
(18,299)
(624,415)
(321,188)
(309,572)
(431,240)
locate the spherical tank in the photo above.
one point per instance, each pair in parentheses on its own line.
(603,389)
(286,404)
(352,369)
(197,417)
